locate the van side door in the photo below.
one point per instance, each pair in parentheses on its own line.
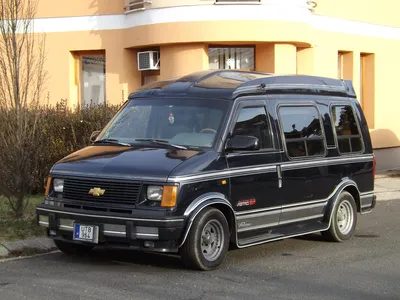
(306,182)
(254,178)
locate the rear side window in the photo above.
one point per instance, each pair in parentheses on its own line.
(302,130)
(346,128)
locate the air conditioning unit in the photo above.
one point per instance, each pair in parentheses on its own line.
(148,60)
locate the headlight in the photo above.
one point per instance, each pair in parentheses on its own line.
(58,185)
(154,192)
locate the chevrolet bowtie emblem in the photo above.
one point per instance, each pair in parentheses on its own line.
(97,192)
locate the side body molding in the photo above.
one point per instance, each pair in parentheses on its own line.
(199,204)
(217,198)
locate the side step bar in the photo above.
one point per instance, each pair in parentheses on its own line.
(258,238)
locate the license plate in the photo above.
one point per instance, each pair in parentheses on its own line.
(86,233)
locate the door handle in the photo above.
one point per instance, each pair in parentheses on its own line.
(279,172)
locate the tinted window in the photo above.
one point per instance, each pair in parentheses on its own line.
(253,121)
(348,135)
(327,124)
(302,130)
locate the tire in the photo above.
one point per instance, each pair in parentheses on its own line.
(73,249)
(198,252)
(343,219)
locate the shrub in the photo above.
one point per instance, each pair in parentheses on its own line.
(18,156)
(61,130)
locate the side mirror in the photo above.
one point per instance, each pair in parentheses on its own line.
(243,142)
(94,135)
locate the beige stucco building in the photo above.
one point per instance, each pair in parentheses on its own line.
(93,46)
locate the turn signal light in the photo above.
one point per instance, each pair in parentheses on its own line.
(169,196)
(46,193)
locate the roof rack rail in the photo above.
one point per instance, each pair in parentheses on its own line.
(296,83)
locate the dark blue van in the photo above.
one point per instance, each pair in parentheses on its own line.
(213,159)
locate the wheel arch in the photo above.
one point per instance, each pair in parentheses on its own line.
(215,200)
(353,190)
(346,185)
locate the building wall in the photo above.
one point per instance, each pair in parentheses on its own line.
(375,12)
(63,65)
(287,37)
(71,8)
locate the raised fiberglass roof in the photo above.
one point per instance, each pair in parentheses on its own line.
(231,83)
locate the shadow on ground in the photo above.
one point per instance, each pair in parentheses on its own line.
(104,256)
(298,246)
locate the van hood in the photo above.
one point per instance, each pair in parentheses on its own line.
(113,161)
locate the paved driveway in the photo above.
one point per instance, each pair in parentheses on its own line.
(367,267)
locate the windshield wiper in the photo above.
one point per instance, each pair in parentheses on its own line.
(112,141)
(161,142)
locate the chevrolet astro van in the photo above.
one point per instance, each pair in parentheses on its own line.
(216,159)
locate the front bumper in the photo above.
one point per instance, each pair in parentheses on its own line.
(159,234)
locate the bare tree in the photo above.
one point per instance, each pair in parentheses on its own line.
(22,77)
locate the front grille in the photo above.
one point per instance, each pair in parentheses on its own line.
(116,192)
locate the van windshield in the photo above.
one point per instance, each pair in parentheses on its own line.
(181,122)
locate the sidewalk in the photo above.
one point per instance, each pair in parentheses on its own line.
(386,188)
(26,247)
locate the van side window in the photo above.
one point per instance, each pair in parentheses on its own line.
(302,130)
(348,135)
(253,121)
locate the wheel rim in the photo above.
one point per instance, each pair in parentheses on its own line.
(345,217)
(212,240)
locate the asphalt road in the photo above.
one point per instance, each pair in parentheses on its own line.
(367,267)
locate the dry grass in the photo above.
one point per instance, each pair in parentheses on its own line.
(12,229)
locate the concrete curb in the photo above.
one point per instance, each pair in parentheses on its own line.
(32,245)
(388,196)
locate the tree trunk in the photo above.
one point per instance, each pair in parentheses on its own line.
(20,207)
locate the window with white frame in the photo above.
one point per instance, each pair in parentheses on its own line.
(231,58)
(93,79)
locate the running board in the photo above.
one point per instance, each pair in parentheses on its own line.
(259,238)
